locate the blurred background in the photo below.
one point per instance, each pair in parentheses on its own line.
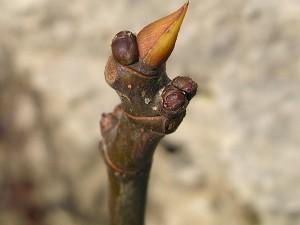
(235,160)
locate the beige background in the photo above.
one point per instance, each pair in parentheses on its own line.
(235,160)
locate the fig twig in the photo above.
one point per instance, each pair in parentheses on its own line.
(152,105)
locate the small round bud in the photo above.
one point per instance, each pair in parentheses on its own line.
(124,48)
(187,85)
(107,122)
(174,101)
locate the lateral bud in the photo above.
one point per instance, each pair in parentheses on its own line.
(124,48)
(174,102)
(187,85)
(108,121)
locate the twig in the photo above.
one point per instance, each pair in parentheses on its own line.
(151,106)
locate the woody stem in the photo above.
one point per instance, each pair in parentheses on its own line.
(128,150)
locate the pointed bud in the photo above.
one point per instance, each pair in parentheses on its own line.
(157,40)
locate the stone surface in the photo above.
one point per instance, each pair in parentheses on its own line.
(233,161)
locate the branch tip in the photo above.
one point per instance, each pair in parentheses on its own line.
(156,41)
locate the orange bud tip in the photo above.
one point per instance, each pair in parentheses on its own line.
(157,40)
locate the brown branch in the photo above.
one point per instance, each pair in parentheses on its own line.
(151,106)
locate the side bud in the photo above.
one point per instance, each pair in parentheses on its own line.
(124,48)
(174,102)
(187,85)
